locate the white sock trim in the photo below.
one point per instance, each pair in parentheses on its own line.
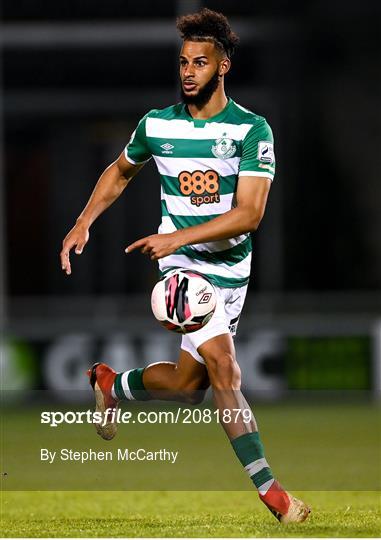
(113,395)
(126,388)
(255,466)
(263,489)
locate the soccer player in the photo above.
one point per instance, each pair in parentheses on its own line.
(216,164)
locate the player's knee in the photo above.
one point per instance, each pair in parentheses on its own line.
(224,371)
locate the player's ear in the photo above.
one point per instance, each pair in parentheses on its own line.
(224,66)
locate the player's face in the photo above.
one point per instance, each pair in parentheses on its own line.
(199,71)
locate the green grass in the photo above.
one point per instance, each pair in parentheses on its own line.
(182,514)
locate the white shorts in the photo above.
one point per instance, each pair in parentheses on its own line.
(225,319)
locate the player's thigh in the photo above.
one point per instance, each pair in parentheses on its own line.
(224,321)
(220,359)
(191,373)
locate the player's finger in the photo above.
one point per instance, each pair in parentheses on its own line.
(135,245)
(65,262)
(67,245)
(63,256)
(79,248)
(131,247)
(146,249)
(156,254)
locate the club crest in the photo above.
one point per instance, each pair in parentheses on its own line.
(224,148)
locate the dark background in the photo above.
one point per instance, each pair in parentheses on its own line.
(77,77)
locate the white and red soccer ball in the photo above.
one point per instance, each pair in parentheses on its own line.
(184,301)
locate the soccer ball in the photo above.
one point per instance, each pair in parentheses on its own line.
(184,301)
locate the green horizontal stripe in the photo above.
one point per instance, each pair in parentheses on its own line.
(218,281)
(136,386)
(261,477)
(118,388)
(188,148)
(227,282)
(171,185)
(164,209)
(230,256)
(138,153)
(248,447)
(180,222)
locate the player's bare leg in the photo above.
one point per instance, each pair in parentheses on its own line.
(185,381)
(225,379)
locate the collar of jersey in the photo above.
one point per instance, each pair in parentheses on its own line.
(200,123)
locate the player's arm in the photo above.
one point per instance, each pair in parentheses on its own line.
(109,187)
(252,193)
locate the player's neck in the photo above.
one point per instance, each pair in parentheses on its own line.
(215,105)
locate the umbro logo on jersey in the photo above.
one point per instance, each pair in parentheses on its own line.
(167,148)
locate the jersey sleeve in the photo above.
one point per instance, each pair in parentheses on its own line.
(258,157)
(137,150)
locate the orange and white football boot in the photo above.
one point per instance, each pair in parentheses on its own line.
(285,507)
(102,379)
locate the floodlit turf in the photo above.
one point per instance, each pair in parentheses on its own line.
(182,514)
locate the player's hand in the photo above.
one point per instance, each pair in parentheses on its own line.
(78,237)
(156,246)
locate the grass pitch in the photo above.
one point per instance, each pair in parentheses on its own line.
(183,514)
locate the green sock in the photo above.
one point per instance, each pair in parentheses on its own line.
(249,450)
(129,385)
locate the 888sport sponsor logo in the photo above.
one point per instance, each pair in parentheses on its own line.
(202,187)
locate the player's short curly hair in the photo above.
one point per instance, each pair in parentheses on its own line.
(208,25)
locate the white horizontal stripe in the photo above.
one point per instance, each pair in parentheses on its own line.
(182,206)
(255,173)
(184,129)
(167,226)
(220,245)
(126,388)
(255,466)
(171,166)
(239,270)
(214,248)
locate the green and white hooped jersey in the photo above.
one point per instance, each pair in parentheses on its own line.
(199,162)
